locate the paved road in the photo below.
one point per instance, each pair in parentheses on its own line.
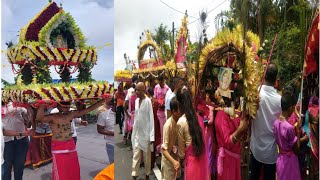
(123,160)
(92,156)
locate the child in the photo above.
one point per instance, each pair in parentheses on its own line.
(287,139)
(170,163)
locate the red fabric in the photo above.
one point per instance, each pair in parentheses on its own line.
(39,150)
(312,47)
(181,51)
(3,112)
(65,166)
(132,102)
(224,128)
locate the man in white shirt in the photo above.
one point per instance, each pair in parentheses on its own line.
(105,126)
(262,142)
(169,92)
(176,84)
(143,132)
(16,147)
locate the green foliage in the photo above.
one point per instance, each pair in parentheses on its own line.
(161,37)
(287,52)
(4,82)
(193,53)
(85,72)
(64,30)
(289,19)
(42,73)
(77,31)
(65,74)
(26,74)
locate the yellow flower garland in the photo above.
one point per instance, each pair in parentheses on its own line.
(18,93)
(251,80)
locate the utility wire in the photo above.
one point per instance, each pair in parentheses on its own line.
(176,9)
(209,11)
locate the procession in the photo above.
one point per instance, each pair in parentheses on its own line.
(230,93)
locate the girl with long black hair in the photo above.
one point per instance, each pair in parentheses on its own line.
(190,139)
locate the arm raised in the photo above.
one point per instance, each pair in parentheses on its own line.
(77,114)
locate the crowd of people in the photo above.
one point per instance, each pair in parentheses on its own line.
(18,123)
(164,122)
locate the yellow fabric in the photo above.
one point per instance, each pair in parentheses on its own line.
(106,174)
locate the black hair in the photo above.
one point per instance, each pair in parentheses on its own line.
(185,107)
(171,84)
(288,98)
(160,78)
(134,78)
(150,91)
(174,104)
(271,74)
(177,80)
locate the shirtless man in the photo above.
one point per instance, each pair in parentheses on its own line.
(64,154)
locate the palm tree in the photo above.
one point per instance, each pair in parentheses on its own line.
(221,19)
(161,36)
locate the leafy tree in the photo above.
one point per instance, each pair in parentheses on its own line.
(161,37)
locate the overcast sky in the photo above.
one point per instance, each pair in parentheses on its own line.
(94,17)
(132,17)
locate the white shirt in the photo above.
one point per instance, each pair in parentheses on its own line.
(262,142)
(168,93)
(129,93)
(73,123)
(143,127)
(106,119)
(15,119)
(172,95)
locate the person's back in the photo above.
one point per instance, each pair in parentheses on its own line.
(263,145)
(262,142)
(287,163)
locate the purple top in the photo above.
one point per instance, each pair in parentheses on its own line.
(285,135)
(287,161)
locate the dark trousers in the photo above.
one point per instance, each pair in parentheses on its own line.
(75,139)
(15,153)
(269,170)
(120,116)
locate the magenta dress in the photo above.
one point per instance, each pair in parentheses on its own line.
(229,158)
(287,162)
(210,141)
(196,167)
